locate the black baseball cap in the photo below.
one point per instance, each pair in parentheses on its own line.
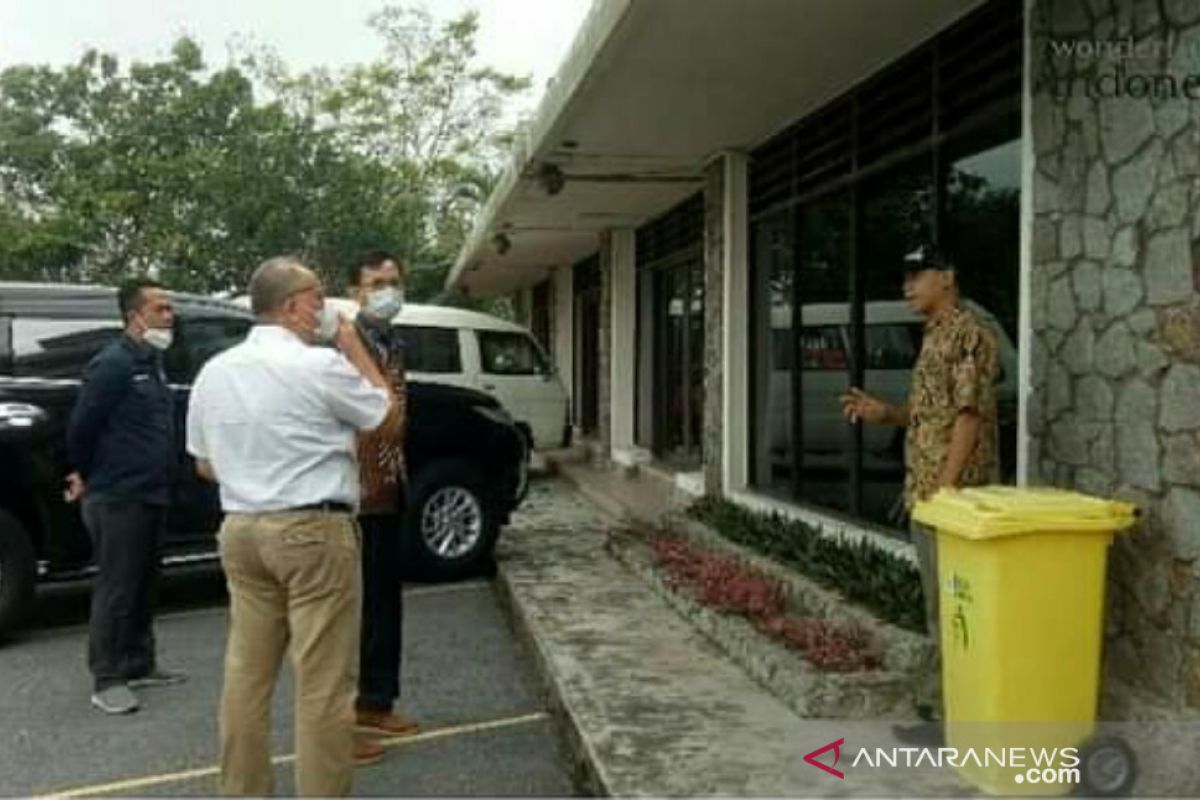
(926,256)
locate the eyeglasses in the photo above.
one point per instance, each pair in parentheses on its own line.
(316,287)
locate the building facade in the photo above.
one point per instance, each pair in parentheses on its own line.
(707,215)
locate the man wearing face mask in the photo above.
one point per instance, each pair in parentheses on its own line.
(273,421)
(375,283)
(121,442)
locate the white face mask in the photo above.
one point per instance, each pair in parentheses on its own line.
(327,324)
(385,303)
(159,338)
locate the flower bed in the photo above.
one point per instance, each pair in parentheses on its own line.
(887,586)
(802,644)
(727,586)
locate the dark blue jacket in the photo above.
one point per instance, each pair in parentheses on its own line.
(121,437)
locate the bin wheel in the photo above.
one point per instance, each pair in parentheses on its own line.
(1107,768)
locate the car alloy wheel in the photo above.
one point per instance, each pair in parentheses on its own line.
(452,522)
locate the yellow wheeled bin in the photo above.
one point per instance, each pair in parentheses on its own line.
(1021,575)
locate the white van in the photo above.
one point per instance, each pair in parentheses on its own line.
(479,351)
(893,339)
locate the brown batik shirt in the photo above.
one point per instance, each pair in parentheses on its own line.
(956,372)
(381,451)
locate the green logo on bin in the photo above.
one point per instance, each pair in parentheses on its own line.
(959,589)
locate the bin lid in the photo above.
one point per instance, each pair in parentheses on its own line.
(993,511)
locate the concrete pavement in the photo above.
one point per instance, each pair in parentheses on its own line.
(651,707)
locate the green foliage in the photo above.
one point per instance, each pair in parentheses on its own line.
(189,172)
(423,111)
(888,586)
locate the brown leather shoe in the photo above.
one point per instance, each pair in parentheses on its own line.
(366,751)
(385,723)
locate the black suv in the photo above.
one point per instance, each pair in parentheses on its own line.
(467,461)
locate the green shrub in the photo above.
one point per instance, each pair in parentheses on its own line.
(887,586)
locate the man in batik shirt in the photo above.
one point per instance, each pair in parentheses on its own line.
(376,283)
(950,415)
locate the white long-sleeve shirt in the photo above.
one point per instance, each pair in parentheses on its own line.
(276,418)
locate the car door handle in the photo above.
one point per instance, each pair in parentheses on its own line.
(490,387)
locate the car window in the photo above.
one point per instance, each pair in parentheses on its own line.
(510,354)
(58,348)
(893,346)
(430,349)
(197,339)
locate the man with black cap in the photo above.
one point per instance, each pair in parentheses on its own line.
(950,415)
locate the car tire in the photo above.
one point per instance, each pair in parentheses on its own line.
(18,573)
(451,522)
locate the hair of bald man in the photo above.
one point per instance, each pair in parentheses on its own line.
(275,280)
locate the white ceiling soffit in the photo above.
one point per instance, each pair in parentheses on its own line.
(650,92)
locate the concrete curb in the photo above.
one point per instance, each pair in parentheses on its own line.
(611,508)
(587,769)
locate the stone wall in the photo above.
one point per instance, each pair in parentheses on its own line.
(714,299)
(1115,408)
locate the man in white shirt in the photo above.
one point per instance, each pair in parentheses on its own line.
(273,421)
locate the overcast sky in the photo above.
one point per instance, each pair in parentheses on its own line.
(526,37)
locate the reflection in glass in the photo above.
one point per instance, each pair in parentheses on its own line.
(981,228)
(679,359)
(825,442)
(774,461)
(897,216)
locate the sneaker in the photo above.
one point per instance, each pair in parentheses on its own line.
(923,734)
(158,677)
(366,752)
(115,700)
(385,723)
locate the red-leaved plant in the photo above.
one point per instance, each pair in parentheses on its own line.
(730,587)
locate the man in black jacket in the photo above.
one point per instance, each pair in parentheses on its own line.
(121,443)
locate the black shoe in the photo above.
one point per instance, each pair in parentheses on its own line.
(923,734)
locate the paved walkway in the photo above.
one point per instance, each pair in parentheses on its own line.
(653,707)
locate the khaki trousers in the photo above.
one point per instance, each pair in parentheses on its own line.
(293,578)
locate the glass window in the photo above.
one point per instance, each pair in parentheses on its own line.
(197,339)
(981,226)
(433,350)
(893,346)
(510,354)
(822,348)
(848,208)
(58,348)
(774,461)
(853,327)
(825,444)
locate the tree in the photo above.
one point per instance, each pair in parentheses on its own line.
(427,112)
(196,174)
(108,172)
